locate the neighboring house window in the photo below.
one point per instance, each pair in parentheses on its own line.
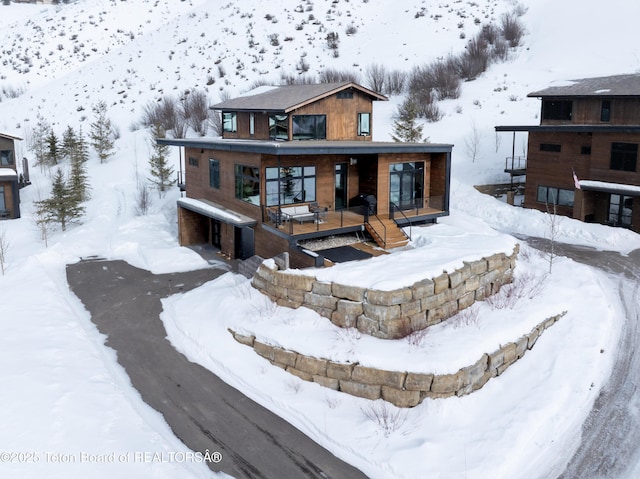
(309,127)
(550,147)
(556,109)
(585,150)
(214,173)
(557,196)
(364,124)
(193,161)
(248,184)
(252,124)
(278,127)
(230,121)
(296,184)
(6,157)
(345,94)
(605,110)
(624,156)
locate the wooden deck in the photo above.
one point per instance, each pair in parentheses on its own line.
(335,222)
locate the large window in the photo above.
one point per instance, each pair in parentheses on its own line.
(364,124)
(406,184)
(555,196)
(556,109)
(309,127)
(248,184)
(278,127)
(6,157)
(214,173)
(624,156)
(620,210)
(229,121)
(293,184)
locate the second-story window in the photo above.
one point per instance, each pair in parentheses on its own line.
(364,124)
(309,127)
(248,184)
(624,156)
(252,124)
(229,122)
(557,110)
(278,127)
(551,147)
(6,157)
(605,110)
(214,173)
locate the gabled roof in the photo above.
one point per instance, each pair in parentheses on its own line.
(9,137)
(287,98)
(611,86)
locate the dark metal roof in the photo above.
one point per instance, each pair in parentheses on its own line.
(316,147)
(611,86)
(285,98)
(568,128)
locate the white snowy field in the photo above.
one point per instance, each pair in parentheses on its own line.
(63,394)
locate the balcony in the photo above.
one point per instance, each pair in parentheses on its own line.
(515,165)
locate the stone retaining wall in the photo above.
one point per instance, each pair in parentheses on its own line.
(403,389)
(389,314)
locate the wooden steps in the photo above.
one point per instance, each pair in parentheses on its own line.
(386,233)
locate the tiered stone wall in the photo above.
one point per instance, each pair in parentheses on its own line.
(403,389)
(389,314)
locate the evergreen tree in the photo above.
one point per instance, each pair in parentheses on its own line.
(78,178)
(39,142)
(69,139)
(52,154)
(162,174)
(101,133)
(405,125)
(62,207)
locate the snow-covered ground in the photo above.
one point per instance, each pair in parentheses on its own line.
(62,390)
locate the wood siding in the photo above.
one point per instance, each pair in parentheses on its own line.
(342,118)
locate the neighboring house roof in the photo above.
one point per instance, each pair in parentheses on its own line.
(317,147)
(611,86)
(286,98)
(572,128)
(9,137)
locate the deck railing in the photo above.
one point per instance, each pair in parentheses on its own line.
(515,163)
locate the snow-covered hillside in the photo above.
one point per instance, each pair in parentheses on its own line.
(62,390)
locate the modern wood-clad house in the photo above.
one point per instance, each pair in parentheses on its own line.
(583,156)
(9,180)
(298,162)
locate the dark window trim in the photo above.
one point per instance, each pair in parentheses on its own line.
(194,162)
(549,191)
(214,173)
(308,172)
(585,150)
(319,127)
(557,110)
(230,122)
(550,147)
(362,131)
(244,181)
(605,111)
(624,156)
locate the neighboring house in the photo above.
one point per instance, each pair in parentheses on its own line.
(584,154)
(9,184)
(298,162)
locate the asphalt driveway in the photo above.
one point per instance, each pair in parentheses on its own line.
(203,411)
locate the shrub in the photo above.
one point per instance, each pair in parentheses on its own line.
(395,83)
(376,77)
(387,417)
(512,29)
(474,60)
(332,75)
(195,109)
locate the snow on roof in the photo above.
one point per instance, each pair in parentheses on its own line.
(8,173)
(610,187)
(212,210)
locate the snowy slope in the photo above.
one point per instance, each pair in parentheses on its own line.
(61,60)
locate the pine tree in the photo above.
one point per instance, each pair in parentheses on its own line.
(52,154)
(101,133)
(78,178)
(69,139)
(38,142)
(62,207)
(405,125)
(162,174)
